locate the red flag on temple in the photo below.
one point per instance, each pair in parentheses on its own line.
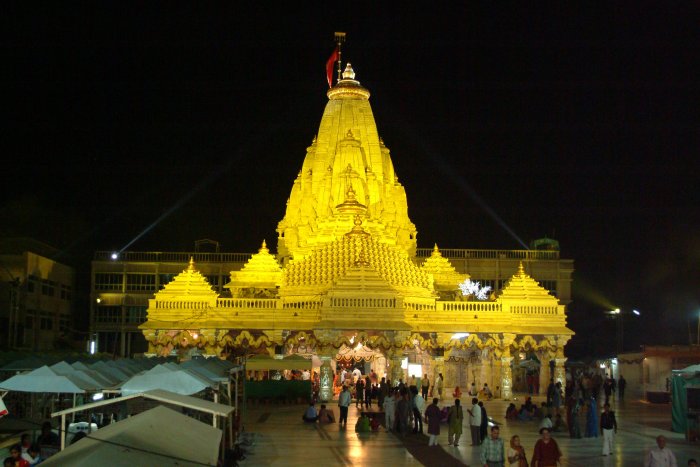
(329,66)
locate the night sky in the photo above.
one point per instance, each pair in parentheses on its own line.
(160,124)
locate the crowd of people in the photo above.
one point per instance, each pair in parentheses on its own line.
(28,452)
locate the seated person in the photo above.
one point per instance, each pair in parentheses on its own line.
(540,411)
(325,415)
(526,414)
(362,425)
(511,412)
(457,393)
(487,391)
(32,455)
(310,416)
(374,424)
(47,436)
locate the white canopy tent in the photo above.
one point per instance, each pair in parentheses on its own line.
(45,380)
(159,436)
(178,381)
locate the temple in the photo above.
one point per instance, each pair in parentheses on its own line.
(346,282)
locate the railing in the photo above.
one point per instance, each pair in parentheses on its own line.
(252,303)
(534,310)
(458,253)
(363,302)
(173,257)
(469,306)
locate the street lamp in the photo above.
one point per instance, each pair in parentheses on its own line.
(617,315)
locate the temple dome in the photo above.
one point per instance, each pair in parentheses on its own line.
(444,274)
(262,271)
(521,287)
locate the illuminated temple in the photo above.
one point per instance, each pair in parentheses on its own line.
(346,281)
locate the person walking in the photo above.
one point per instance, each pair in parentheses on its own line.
(516,453)
(455,418)
(418,409)
(368,392)
(493,453)
(608,426)
(621,385)
(403,409)
(546,452)
(660,456)
(475,422)
(344,400)
(432,417)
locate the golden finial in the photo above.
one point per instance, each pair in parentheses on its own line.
(190,267)
(264,247)
(521,270)
(349,73)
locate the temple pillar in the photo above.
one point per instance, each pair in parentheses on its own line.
(397,373)
(497,368)
(325,392)
(545,374)
(506,378)
(506,371)
(485,375)
(560,371)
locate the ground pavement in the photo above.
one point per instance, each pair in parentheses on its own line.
(282,439)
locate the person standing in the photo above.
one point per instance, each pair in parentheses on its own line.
(608,426)
(621,384)
(484,427)
(389,406)
(360,393)
(432,417)
(455,418)
(660,456)
(425,387)
(344,401)
(546,452)
(438,386)
(403,409)
(493,453)
(417,405)
(368,392)
(475,422)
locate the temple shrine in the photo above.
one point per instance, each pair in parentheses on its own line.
(345,282)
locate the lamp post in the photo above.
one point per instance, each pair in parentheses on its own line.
(617,315)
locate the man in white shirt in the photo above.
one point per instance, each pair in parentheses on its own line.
(475,422)
(660,456)
(356,374)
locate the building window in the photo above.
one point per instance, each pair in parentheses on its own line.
(551,286)
(66,292)
(136,314)
(108,314)
(32,282)
(48,288)
(108,282)
(164,279)
(140,282)
(46,321)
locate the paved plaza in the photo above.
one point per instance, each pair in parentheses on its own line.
(282,439)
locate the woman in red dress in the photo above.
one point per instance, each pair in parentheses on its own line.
(546,452)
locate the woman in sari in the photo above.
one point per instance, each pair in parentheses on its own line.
(516,453)
(592,419)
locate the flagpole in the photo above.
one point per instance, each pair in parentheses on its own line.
(339,39)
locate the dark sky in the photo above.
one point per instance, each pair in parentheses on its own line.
(579,122)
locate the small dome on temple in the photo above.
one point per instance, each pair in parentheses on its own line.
(349,73)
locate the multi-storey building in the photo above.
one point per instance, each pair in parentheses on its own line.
(36,296)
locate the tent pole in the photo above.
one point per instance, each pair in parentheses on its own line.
(62,430)
(73,414)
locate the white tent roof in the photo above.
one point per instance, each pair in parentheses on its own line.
(44,379)
(159,436)
(689,369)
(180,382)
